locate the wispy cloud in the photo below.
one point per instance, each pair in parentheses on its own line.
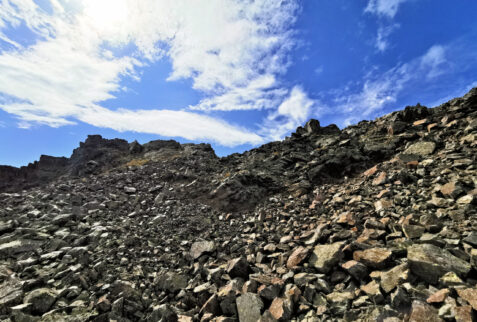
(233,51)
(381,89)
(434,60)
(382,42)
(387,8)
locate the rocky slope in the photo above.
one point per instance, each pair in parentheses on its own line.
(373,222)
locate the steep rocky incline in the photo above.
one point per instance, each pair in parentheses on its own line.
(377,221)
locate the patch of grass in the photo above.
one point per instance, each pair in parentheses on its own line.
(137,162)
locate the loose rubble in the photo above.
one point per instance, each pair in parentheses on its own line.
(374,222)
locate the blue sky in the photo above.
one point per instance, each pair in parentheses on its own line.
(236,74)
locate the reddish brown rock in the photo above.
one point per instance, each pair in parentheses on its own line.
(297,256)
(281,309)
(371,171)
(464,314)
(373,257)
(380,179)
(421,311)
(470,295)
(439,296)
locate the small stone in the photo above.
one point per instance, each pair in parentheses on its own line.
(421,311)
(380,179)
(470,295)
(382,204)
(163,312)
(238,267)
(452,189)
(103,304)
(438,297)
(211,306)
(373,257)
(297,256)
(249,307)
(471,239)
(450,279)
(325,257)
(201,247)
(394,277)
(400,298)
(129,190)
(467,200)
(302,279)
(373,291)
(356,269)
(371,171)
(422,148)
(41,299)
(464,314)
(281,309)
(171,281)
(413,231)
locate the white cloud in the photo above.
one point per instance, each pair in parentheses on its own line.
(382,42)
(379,90)
(387,8)
(188,125)
(234,52)
(291,113)
(434,60)
(318,70)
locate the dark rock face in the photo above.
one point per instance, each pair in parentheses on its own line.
(374,222)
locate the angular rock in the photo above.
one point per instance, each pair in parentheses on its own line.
(394,277)
(238,267)
(430,262)
(356,269)
(201,247)
(281,309)
(373,257)
(41,299)
(297,256)
(325,257)
(470,295)
(421,311)
(249,307)
(423,148)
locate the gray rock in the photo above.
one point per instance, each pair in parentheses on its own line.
(430,262)
(201,247)
(423,148)
(249,307)
(238,267)
(11,294)
(41,299)
(171,281)
(325,257)
(15,247)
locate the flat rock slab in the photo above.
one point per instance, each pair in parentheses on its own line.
(324,257)
(421,148)
(249,307)
(431,262)
(17,246)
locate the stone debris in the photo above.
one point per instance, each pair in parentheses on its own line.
(373,222)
